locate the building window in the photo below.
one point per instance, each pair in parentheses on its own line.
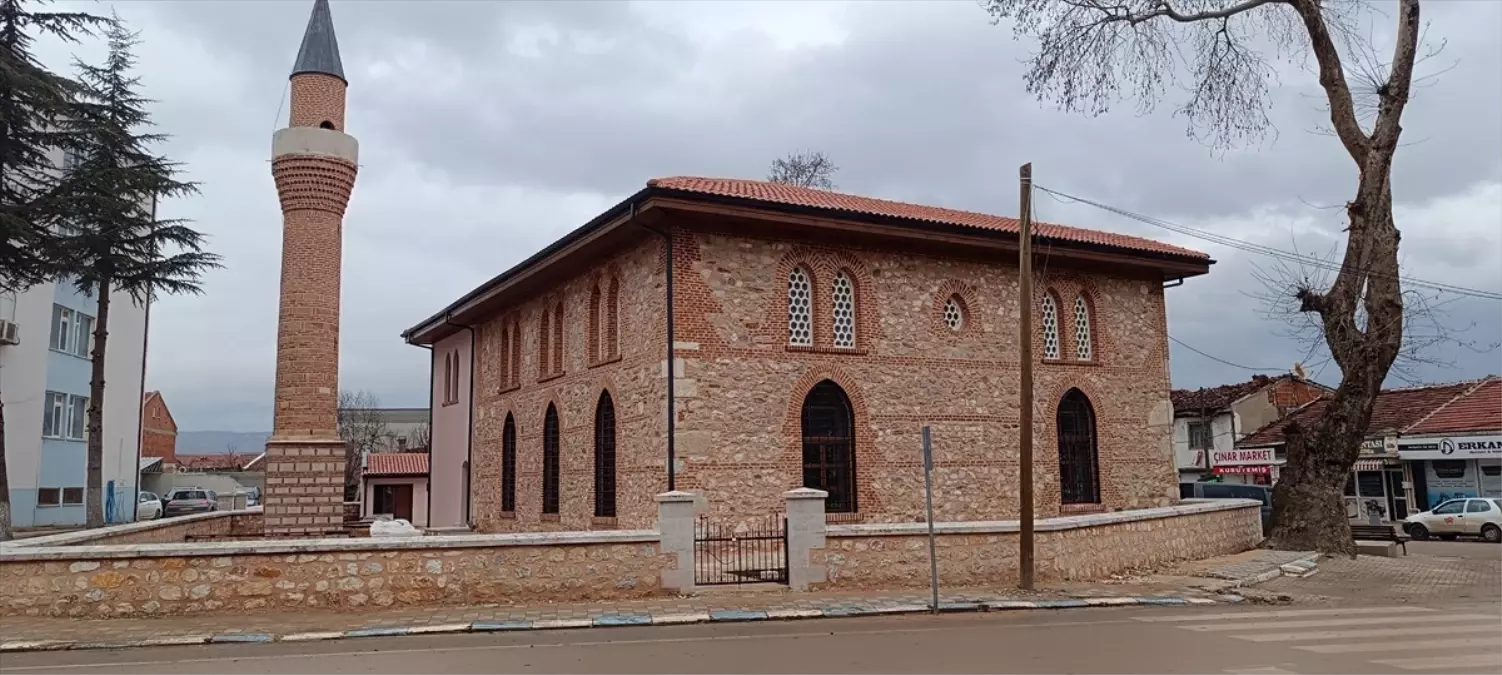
(544,334)
(829,446)
(1200,437)
(595,335)
(550,461)
(516,352)
(504,360)
(1082,346)
(1079,472)
(605,457)
(72,331)
(72,496)
(508,465)
(954,313)
(448,377)
(49,496)
(613,319)
(800,309)
(558,339)
(844,311)
(385,500)
(1050,327)
(64,416)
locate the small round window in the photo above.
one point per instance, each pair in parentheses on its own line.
(954,314)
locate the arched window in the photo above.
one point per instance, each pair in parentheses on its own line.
(605,457)
(448,377)
(954,313)
(1079,470)
(1082,347)
(829,446)
(516,352)
(844,310)
(550,461)
(544,334)
(508,465)
(595,336)
(800,309)
(1050,312)
(504,359)
(613,319)
(326,124)
(558,339)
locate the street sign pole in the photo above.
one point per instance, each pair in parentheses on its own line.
(928,496)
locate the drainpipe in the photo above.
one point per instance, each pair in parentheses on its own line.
(667,239)
(469,450)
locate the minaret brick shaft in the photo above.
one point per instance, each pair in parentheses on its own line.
(314,163)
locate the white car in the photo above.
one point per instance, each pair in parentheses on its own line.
(149,507)
(1458,517)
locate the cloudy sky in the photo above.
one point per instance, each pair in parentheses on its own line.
(487,129)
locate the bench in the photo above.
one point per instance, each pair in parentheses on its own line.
(1380,533)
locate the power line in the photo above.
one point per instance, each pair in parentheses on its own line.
(1269,251)
(1186,345)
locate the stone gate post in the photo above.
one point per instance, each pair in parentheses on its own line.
(805,509)
(675,521)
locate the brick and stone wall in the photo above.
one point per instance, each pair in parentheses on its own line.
(161,531)
(740,387)
(158,430)
(101,581)
(1067,548)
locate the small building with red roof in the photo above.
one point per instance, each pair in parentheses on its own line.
(396,486)
(1456,450)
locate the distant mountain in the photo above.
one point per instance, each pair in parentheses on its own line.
(211,442)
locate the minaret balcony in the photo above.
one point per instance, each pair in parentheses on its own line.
(315,141)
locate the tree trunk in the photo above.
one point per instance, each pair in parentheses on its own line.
(5,533)
(95,498)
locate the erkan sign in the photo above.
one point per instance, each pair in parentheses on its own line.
(1453,447)
(1241,457)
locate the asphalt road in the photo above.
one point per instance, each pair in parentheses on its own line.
(1461,548)
(1262,640)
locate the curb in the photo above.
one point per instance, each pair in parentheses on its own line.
(611,620)
(1273,573)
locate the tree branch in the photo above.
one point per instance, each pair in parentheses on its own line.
(1165,9)
(1333,79)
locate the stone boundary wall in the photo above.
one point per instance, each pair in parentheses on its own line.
(160,579)
(883,556)
(159,531)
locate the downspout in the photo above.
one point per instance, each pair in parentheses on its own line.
(469,449)
(431,382)
(667,239)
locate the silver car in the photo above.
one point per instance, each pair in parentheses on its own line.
(189,500)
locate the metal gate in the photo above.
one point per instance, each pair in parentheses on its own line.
(751,553)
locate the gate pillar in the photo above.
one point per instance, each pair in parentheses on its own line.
(675,523)
(805,534)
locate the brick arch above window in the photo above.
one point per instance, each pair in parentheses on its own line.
(866,461)
(953,297)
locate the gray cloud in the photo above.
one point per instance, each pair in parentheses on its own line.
(489,128)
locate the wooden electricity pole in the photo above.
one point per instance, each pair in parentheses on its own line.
(1025,410)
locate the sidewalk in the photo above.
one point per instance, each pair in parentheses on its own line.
(722,604)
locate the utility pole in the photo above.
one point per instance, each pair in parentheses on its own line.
(1025,426)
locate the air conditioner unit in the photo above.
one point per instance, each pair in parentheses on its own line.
(10,332)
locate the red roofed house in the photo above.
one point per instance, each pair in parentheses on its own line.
(396,485)
(1208,422)
(813,335)
(1380,477)
(1456,451)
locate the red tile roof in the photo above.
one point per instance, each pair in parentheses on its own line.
(836,201)
(397,464)
(1216,398)
(1479,409)
(1395,411)
(215,462)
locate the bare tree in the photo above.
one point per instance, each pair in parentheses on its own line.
(421,438)
(1091,52)
(804,169)
(363,430)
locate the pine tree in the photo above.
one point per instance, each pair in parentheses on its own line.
(32,99)
(115,242)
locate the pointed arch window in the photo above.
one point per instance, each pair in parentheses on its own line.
(508,465)
(503,359)
(516,352)
(1083,349)
(1079,458)
(595,336)
(550,458)
(558,339)
(1050,315)
(544,335)
(613,319)
(800,309)
(605,457)
(844,310)
(829,446)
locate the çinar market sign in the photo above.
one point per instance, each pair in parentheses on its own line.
(1241,457)
(1452,447)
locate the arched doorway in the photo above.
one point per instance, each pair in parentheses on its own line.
(605,457)
(829,446)
(1079,470)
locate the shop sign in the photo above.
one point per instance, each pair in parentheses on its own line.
(1451,447)
(1242,457)
(1380,447)
(1260,470)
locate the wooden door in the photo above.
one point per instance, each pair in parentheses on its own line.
(401,507)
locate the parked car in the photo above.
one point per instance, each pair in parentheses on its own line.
(148,506)
(252,496)
(1261,493)
(1469,517)
(190,500)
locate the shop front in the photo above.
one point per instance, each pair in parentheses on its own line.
(1451,467)
(1255,466)
(1377,485)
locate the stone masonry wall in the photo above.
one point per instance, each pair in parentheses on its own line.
(188,583)
(987,558)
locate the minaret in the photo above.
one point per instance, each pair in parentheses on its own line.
(314,163)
